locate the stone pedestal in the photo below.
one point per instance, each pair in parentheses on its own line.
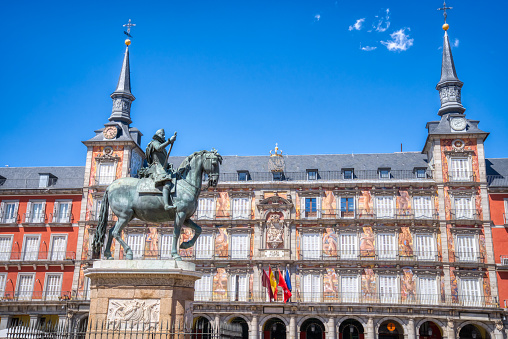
(142,293)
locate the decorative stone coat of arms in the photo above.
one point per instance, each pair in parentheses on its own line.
(274,232)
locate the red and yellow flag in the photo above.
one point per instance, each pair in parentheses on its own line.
(273,282)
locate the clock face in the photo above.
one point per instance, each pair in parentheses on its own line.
(458,124)
(110,132)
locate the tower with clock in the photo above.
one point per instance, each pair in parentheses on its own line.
(455,151)
(113,152)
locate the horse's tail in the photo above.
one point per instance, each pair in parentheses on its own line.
(98,239)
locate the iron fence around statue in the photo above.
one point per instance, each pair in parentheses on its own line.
(121,330)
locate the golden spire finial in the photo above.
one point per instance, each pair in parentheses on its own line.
(444,8)
(276,151)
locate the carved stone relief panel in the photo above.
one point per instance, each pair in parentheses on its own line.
(274,231)
(130,313)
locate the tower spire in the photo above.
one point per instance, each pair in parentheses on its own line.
(449,86)
(122,96)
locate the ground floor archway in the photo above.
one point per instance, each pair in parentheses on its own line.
(430,330)
(351,329)
(312,329)
(245,326)
(473,331)
(274,328)
(201,328)
(390,329)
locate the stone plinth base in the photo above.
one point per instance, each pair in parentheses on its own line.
(142,292)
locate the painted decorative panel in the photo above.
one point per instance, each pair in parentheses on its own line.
(405,242)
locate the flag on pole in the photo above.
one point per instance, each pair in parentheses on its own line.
(282,283)
(273,282)
(288,280)
(266,283)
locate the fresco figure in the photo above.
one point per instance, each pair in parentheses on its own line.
(367,244)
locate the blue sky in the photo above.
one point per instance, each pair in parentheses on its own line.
(240,76)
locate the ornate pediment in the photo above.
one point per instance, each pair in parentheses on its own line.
(275,202)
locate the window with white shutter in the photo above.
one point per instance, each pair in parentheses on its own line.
(240,208)
(385,207)
(349,288)
(460,169)
(348,245)
(58,247)
(31,247)
(5,247)
(107,173)
(165,245)
(463,207)
(137,244)
(388,288)
(24,290)
(204,246)
(238,287)
(240,246)
(470,292)
(311,287)
(425,247)
(3,280)
(206,208)
(53,286)
(386,246)
(505,214)
(422,207)
(310,208)
(310,246)
(37,212)
(62,211)
(9,212)
(427,290)
(466,248)
(203,288)
(347,207)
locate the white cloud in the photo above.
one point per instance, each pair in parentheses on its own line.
(358,25)
(367,48)
(383,23)
(400,41)
(456,43)
(317,17)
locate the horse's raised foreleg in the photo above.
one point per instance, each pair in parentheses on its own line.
(177,228)
(117,234)
(197,232)
(107,251)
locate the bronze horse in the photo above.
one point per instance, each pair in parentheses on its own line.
(127,202)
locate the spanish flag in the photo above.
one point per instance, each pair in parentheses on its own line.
(266,283)
(273,282)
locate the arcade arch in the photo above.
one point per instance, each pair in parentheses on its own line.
(274,328)
(312,328)
(430,330)
(473,331)
(390,329)
(351,329)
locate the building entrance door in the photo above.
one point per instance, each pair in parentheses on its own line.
(274,329)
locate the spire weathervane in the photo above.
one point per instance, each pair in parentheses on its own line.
(128,25)
(444,8)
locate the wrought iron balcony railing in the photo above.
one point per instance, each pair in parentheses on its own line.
(103,180)
(189,254)
(355,254)
(94,216)
(6,257)
(9,218)
(469,257)
(461,176)
(350,298)
(32,296)
(464,214)
(503,260)
(207,214)
(34,218)
(396,214)
(61,218)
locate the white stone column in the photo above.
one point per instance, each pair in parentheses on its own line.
(216,323)
(4,322)
(331,328)
(292,327)
(411,329)
(370,334)
(450,329)
(33,319)
(253,328)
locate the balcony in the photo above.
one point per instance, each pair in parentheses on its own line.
(351,298)
(34,296)
(189,254)
(102,180)
(469,257)
(503,264)
(34,219)
(464,215)
(93,217)
(370,214)
(461,176)
(9,219)
(370,175)
(220,215)
(368,255)
(61,218)
(36,256)
(505,219)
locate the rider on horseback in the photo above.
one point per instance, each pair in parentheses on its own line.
(161,171)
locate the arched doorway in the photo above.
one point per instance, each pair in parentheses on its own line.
(390,329)
(351,329)
(274,329)
(202,329)
(312,329)
(473,331)
(430,330)
(245,326)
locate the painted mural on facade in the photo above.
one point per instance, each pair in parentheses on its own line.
(330,284)
(469,146)
(221,243)
(403,203)
(365,203)
(329,205)
(454,285)
(330,243)
(220,284)
(405,242)
(408,285)
(367,242)
(368,284)
(222,205)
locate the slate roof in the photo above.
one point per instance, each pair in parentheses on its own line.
(497,172)
(443,127)
(28,177)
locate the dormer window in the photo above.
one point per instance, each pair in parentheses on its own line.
(347,173)
(312,174)
(278,176)
(384,173)
(2,180)
(420,173)
(243,175)
(46,180)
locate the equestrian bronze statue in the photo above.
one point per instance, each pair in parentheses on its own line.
(144,198)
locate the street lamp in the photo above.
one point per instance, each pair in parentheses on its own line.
(430,332)
(473,335)
(313,328)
